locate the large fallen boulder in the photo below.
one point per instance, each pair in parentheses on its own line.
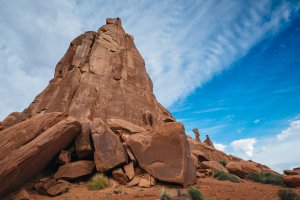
(27,161)
(165,154)
(75,170)
(15,136)
(109,151)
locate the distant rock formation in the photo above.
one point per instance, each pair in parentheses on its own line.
(197,134)
(208,142)
(292,177)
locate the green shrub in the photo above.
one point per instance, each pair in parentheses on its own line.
(266,178)
(223,162)
(288,195)
(220,175)
(98,182)
(164,195)
(195,194)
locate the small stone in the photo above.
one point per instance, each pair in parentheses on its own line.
(120,176)
(21,195)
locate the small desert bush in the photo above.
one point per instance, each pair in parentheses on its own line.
(223,162)
(288,195)
(195,194)
(266,178)
(220,175)
(98,182)
(164,195)
(212,198)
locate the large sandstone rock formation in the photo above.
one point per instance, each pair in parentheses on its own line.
(102,75)
(101,101)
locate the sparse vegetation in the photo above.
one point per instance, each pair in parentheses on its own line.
(164,195)
(288,195)
(212,198)
(195,194)
(266,178)
(220,175)
(98,182)
(182,194)
(223,162)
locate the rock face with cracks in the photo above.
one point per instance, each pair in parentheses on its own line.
(102,75)
(99,113)
(165,154)
(26,162)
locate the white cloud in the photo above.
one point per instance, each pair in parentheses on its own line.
(292,130)
(243,147)
(185,44)
(280,152)
(220,146)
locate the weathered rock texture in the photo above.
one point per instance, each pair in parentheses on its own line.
(109,151)
(102,75)
(292,177)
(27,161)
(16,136)
(242,168)
(75,170)
(164,153)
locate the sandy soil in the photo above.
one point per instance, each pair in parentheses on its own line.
(210,187)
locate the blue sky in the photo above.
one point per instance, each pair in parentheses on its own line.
(231,68)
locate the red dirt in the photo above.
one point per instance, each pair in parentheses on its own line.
(210,187)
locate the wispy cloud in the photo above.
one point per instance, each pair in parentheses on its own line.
(291,131)
(185,44)
(208,110)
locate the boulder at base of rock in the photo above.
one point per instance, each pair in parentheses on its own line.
(75,170)
(109,151)
(120,176)
(26,162)
(135,181)
(214,165)
(144,183)
(165,154)
(58,188)
(21,195)
(52,186)
(20,134)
